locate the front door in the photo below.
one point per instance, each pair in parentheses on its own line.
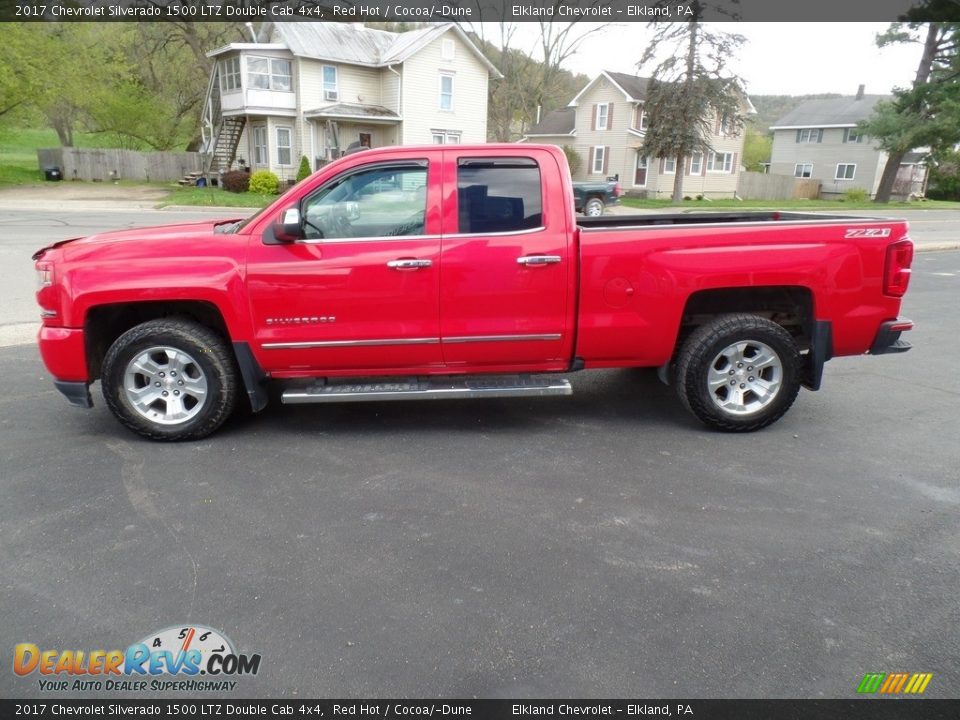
(506,267)
(361,292)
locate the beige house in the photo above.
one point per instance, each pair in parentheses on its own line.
(605,124)
(319,89)
(819,140)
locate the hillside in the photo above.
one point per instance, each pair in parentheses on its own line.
(772,107)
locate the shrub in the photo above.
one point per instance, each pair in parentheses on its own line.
(304,171)
(855,195)
(573,159)
(264,182)
(236,181)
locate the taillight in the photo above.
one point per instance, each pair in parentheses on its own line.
(617,190)
(896,273)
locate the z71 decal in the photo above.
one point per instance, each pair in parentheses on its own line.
(868,232)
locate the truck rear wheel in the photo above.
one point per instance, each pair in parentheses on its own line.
(738,373)
(593,207)
(170,379)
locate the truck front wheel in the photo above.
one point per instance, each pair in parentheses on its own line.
(170,379)
(738,373)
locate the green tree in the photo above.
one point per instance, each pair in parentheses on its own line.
(928,112)
(689,90)
(756,149)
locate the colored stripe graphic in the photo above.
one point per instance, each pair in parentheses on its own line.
(895,683)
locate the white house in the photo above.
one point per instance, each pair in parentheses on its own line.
(318,89)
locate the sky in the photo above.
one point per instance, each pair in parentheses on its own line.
(777,59)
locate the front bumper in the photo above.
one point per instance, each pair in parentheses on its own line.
(64,354)
(888,339)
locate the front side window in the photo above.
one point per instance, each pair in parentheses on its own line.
(498,195)
(269,73)
(803,170)
(283,145)
(378,201)
(846,171)
(446,92)
(260,145)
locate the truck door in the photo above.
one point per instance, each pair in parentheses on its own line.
(506,267)
(361,291)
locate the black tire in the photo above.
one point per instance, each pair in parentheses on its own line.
(212,363)
(593,207)
(700,360)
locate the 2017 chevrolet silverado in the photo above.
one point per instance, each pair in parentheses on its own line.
(460,271)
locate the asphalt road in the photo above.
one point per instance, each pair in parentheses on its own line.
(599,545)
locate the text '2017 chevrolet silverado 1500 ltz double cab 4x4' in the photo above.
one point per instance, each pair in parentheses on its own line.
(460,271)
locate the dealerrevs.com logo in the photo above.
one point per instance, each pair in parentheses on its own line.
(188,657)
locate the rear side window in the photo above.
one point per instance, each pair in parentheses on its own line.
(498,195)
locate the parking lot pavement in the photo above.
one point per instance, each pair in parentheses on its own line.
(601,545)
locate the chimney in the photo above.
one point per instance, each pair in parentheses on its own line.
(860,92)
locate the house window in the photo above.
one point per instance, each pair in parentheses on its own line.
(810,135)
(852,135)
(603,115)
(696,164)
(498,195)
(269,73)
(230,74)
(725,124)
(446,91)
(260,156)
(443,137)
(845,171)
(719,162)
(283,145)
(803,170)
(640,174)
(669,166)
(598,160)
(643,120)
(330,91)
(447,49)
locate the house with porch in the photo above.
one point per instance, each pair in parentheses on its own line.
(605,125)
(819,139)
(319,89)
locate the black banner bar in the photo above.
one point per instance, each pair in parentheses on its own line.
(470,11)
(352,709)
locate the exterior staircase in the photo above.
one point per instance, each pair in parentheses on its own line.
(221,134)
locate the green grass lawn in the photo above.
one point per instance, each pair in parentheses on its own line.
(728,204)
(18,151)
(215,197)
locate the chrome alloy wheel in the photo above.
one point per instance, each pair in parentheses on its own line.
(745,377)
(165,385)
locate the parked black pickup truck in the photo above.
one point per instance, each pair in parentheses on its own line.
(592,198)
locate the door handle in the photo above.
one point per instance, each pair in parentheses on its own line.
(536,260)
(409,264)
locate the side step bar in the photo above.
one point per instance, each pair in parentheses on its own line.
(429,389)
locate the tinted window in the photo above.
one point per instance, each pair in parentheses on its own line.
(381,201)
(496,196)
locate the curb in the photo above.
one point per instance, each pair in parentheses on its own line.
(937,246)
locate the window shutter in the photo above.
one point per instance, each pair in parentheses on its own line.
(820,135)
(798,136)
(733,165)
(593,123)
(606,158)
(609,116)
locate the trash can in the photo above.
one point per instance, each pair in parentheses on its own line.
(52,173)
(201,182)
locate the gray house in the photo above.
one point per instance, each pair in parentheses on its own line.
(819,140)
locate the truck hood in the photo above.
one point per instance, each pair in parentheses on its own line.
(194,235)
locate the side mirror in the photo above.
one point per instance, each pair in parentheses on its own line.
(288,227)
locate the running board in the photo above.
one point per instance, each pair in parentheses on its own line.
(429,389)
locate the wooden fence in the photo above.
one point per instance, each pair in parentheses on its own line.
(760,186)
(106,164)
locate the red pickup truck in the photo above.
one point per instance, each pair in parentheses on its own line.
(461,271)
